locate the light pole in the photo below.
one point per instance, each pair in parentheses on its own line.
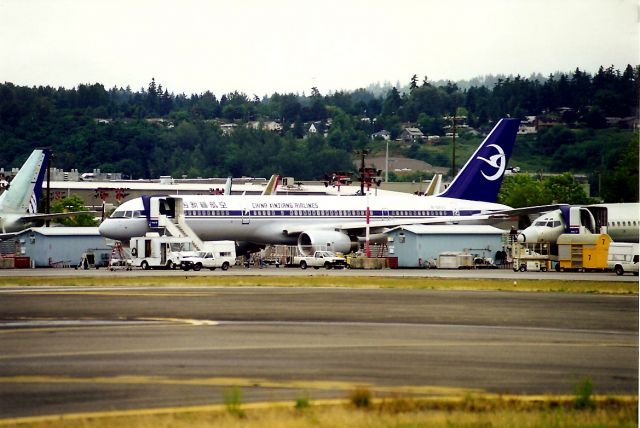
(386,165)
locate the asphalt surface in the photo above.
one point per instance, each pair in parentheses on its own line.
(293,271)
(70,349)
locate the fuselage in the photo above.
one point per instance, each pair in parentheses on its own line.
(622,224)
(277,219)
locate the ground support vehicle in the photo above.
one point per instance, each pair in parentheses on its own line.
(216,254)
(454,260)
(531,257)
(204,259)
(326,259)
(621,268)
(623,258)
(582,252)
(159,252)
(87,261)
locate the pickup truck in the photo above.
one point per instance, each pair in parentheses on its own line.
(204,259)
(325,259)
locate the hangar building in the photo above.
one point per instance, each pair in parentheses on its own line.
(414,244)
(60,246)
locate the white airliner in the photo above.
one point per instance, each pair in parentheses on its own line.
(622,222)
(334,222)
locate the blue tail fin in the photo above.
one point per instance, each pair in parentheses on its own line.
(25,189)
(480,178)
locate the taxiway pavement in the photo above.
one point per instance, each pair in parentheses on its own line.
(73,349)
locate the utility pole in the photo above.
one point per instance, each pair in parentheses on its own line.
(386,165)
(453,155)
(362,153)
(48,205)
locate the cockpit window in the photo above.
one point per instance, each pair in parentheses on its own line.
(126,214)
(540,223)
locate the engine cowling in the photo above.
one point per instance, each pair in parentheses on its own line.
(311,241)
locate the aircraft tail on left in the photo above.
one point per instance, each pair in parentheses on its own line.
(24,191)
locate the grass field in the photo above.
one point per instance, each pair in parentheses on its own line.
(529,285)
(394,412)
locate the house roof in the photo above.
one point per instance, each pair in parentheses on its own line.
(414,131)
(449,229)
(63,231)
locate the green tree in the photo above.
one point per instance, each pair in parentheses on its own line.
(621,184)
(413,84)
(564,189)
(73,203)
(522,190)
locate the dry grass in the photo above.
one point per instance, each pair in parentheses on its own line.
(391,412)
(529,285)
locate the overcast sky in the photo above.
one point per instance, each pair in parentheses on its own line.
(259,47)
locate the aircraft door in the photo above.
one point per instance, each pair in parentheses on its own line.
(167,207)
(601,217)
(178,207)
(163,253)
(581,220)
(246,216)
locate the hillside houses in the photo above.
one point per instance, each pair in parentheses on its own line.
(411,135)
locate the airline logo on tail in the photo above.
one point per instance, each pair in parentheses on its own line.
(497,161)
(480,178)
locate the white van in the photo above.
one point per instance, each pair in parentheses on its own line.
(623,258)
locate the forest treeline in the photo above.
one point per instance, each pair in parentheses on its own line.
(90,126)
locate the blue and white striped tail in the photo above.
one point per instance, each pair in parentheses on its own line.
(25,189)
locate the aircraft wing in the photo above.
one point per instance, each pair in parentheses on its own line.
(53,216)
(378,226)
(538,209)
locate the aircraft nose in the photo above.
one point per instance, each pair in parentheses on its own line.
(123,229)
(106,229)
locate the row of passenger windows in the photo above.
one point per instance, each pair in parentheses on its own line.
(622,223)
(316,213)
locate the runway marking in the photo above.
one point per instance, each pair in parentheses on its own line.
(242,382)
(125,293)
(54,324)
(181,321)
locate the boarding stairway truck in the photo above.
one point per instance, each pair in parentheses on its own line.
(159,252)
(173,220)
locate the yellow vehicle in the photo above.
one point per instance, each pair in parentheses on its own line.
(583,252)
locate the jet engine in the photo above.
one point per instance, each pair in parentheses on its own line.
(309,242)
